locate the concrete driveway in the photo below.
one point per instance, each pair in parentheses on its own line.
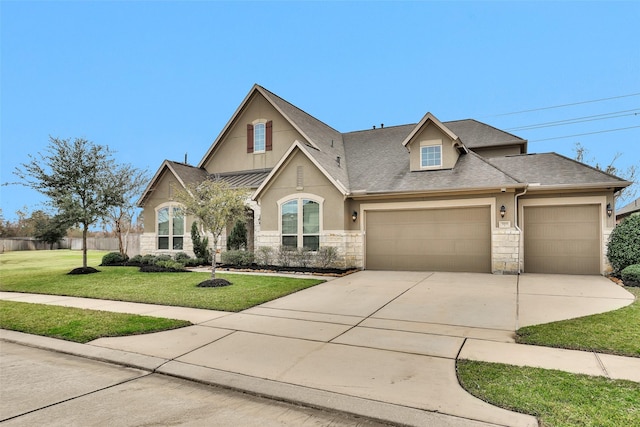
(376,343)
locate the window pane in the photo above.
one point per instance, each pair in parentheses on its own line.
(163,243)
(163,222)
(178,222)
(431,156)
(310,217)
(290,242)
(311,242)
(259,137)
(290,217)
(177,243)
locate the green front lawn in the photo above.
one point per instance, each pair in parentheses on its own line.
(614,332)
(74,324)
(556,398)
(45,272)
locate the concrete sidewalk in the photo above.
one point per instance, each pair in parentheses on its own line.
(377,344)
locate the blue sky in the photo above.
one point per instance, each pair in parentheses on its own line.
(156,80)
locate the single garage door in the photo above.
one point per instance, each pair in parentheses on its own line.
(429,240)
(562,239)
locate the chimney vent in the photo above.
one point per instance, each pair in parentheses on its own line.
(381,125)
(338,160)
(374,126)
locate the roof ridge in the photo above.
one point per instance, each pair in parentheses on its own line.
(375,129)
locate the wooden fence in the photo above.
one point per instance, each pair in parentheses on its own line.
(73,243)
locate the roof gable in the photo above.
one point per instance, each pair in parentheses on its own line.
(184,174)
(429,118)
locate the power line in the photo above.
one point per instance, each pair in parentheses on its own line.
(583,134)
(583,119)
(565,105)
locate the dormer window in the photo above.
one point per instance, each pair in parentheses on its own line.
(259,136)
(431,154)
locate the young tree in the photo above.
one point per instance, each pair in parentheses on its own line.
(629,174)
(49,229)
(75,176)
(131,182)
(214,204)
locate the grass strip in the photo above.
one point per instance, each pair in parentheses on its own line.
(614,332)
(45,272)
(78,325)
(556,398)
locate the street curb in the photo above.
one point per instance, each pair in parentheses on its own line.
(274,390)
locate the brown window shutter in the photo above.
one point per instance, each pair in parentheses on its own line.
(249,138)
(269,136)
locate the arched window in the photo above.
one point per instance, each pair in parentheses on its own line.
(300,221)
(170,228)
(259,137)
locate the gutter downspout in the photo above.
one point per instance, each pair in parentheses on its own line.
(516,224)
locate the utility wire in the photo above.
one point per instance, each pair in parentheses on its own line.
(564,105)
(592,118)
(583,134)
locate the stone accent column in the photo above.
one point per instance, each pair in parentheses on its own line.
(505,246)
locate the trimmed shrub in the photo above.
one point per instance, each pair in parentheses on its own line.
(148,259)
(237,257)
(170,264)
(114,258)
(285,256)
(327,257)
(264,255)
(136,260)
(194,262)
(181,257)
(303,257)
(631,275)
(238,238)
(623,248)
(162,258)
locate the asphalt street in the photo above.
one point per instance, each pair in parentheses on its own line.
(40,387)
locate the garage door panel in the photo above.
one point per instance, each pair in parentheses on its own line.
(562,239)
(456,239)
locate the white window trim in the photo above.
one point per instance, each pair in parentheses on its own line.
(170,206)
(300,197)
(431,143)
(255,123)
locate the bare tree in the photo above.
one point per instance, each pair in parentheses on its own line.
(629,174)
(131,181)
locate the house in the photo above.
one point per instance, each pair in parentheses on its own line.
(627,210)
(431,196)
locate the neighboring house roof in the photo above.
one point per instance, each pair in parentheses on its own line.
(628,209)
(552,169)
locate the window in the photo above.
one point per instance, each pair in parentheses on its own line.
(259,134)
(430,156)
(170,228)
(301,224)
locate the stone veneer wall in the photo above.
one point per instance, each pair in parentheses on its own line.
(505,246)
(348,244)
(606,233)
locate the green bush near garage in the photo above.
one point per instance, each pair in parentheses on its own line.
(623,248)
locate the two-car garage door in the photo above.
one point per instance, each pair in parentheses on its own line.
(452,239)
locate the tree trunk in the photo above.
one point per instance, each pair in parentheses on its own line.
(213,258)
(119,234)
(84,245)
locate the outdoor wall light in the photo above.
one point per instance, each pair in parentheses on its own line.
(609,210)
(503,210)
(354,216)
